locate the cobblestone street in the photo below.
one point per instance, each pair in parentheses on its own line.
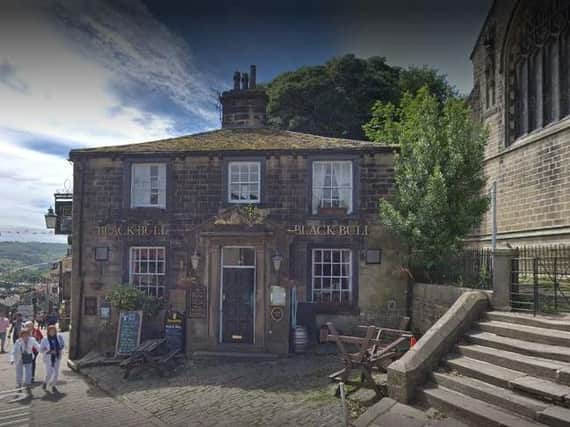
(288,392)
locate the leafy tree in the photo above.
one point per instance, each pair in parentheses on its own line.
(335,99)
(439,172)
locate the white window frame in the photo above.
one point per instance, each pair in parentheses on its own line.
(314,187)
(248,182)
(322,276)
(133,275)
(158,186)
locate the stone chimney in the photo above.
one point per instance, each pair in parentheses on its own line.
(244,106)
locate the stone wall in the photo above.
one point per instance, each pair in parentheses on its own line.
(430,302)
(196,196)
(532,173)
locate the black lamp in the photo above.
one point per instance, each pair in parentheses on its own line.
(51,219)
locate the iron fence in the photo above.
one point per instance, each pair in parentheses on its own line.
(540,279)
(471,268)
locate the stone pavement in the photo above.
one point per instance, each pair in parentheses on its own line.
(77,404)
(389,413)
(293,391)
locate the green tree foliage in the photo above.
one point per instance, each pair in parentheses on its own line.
(439,172)
(335,99)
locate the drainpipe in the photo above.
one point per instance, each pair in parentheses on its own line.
(79,254)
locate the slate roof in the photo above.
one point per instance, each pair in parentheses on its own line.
(242,140)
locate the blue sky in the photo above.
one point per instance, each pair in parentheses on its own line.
(77,73)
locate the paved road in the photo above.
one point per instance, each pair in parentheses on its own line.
(77,404)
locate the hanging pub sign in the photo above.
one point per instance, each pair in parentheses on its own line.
(328,230)
(117,231)
(198,304)
(63,210)
(174,330)
(128,332)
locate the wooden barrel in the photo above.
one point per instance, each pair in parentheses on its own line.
(300,339)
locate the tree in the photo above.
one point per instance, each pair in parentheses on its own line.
(439,172)
(335,99)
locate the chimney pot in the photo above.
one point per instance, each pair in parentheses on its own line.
(252,76)
(245,81)
(237,78)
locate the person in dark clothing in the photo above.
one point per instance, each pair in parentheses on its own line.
(51,318)
(17,326)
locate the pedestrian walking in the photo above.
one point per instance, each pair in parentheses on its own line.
(17,324)
(22,356)
(51,318)
(52,349)
(38,336)
(4,324)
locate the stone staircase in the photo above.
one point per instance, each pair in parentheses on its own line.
(509,370)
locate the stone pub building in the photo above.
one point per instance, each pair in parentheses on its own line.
(248,231)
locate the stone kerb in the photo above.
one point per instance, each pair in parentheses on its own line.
(412,370)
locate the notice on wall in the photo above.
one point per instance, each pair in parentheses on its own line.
(198,304)
(128,332)
(174,330)
(278,295)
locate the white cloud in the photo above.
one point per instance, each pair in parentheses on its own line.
(62,66)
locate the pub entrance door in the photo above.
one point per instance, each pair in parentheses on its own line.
(238,295)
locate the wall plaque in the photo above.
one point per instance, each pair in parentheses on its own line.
(277,313)
(328,230)
(129,332)
(198,304)
(278,295)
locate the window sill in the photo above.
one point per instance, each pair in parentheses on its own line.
(322,308)
(534,136)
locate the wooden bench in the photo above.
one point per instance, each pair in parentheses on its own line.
(373,352)
(153,354)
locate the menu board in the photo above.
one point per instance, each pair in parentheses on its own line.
(174,330)
(128,332)
(198,301)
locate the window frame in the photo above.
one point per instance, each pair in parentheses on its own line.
(164,273)
(354,176)
(149,164)
(352,274)
(228,181)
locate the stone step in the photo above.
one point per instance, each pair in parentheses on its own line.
(535,366)
(473,411)
(498,396)
(555,416)
(528,333)
(525,347)
(508,378)
(543,389)
(549,322)
(483,371)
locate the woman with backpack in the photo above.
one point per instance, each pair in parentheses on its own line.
(38,336)
(22,356)
(52,349)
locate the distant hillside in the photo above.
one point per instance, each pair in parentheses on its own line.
(27,261)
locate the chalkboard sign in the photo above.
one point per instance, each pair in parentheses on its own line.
(198,301)
(129,332)
(174,330)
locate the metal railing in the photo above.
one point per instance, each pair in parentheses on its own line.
(471,268)
(540,283)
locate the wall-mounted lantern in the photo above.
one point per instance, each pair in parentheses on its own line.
(276,259)
(51,219)
(195,260)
